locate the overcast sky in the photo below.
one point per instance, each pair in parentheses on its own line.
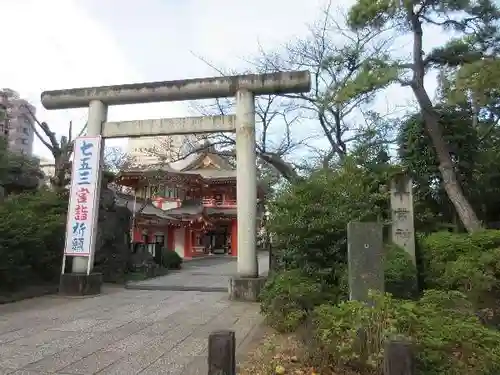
(54,44)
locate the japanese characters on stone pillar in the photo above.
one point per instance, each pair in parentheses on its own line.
(402,228)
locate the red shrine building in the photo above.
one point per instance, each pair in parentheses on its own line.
(191,210)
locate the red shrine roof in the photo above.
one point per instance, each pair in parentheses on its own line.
(194,207)
(144,207)
(189,207)
(205,168)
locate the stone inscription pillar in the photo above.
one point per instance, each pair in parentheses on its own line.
(402,228)
(365,253)
(246,184)
(97,116)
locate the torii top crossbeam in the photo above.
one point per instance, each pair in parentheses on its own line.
(188,89)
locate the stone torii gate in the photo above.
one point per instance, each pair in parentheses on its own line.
(244,87)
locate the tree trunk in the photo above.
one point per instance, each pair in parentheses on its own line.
(464,209)
(451,184)
(285,169)
(58,181)
(431,120)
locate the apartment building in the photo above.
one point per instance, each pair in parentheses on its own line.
(16,122)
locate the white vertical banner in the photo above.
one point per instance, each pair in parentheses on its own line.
(83,200)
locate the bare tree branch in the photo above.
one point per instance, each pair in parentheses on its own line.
(275,117)
(61,150)
(336,57)
(50,145)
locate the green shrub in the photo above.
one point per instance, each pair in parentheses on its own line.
(469,263)
(289,296)
(399,273)
(448,336)
(32,232)
(18,172)
(171,260)
(309,219)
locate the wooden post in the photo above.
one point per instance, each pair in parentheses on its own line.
(399,358)
(222,353)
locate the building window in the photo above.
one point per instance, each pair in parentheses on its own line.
(152,249)
(155,190)
(24,142)
(181,194)
(151,191)
(171,192)
(140,192)
(198,239)
(26,131)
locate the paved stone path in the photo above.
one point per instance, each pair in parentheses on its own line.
(203,275)
(122,331)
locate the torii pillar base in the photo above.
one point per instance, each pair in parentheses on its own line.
(80,284)
(245,288)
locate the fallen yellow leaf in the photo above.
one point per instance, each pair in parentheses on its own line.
(279,370)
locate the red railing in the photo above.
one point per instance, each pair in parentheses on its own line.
(223,203)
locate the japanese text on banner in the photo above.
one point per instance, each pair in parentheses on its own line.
(83,185)
(80,215)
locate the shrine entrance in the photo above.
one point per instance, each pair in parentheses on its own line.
(219,240)
(243,87)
